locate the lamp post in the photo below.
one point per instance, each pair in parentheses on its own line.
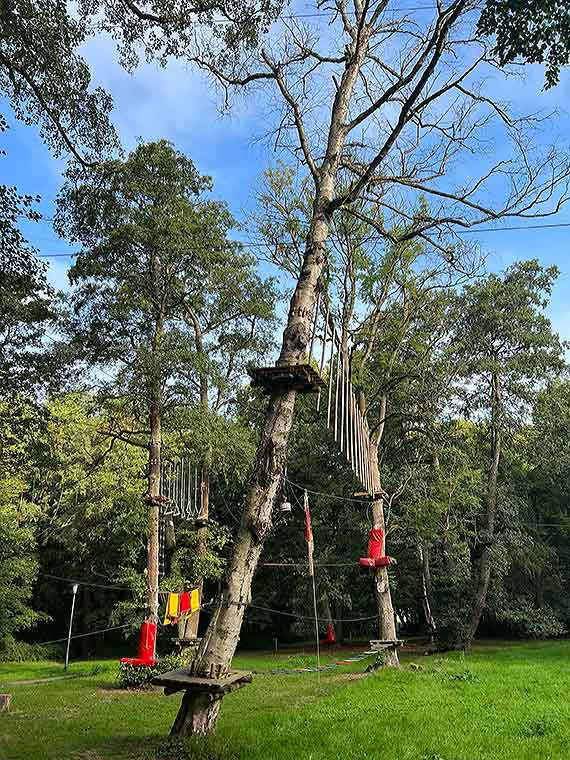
(75,587)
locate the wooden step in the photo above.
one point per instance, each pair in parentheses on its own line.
(182,680)
(378,644)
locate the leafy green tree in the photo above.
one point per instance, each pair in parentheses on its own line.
(20,427)
(93,523)
(164,303)
(25,297)
(508,350)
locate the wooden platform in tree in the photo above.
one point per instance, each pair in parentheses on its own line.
(377,645)
(182,680)
(298,377)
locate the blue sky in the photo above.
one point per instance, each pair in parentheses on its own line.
(179,104)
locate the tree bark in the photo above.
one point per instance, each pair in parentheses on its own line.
(154,452)
(200,716)
(386,617)
(483,566)
(153,502)
(382,594)
(192,622)
(426,590)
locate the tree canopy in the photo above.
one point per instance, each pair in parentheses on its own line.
(535,31)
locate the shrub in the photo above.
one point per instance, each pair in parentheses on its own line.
(140,676)
(527,620)
(20,651)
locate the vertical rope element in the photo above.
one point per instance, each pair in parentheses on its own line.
(345,417)
(161,541)
(323,351)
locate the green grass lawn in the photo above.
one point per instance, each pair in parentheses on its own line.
(497,703)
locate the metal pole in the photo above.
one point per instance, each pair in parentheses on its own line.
(75,587)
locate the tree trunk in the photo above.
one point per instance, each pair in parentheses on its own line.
(191,623)
(426,590)
(386,617)
(219,644)
(199,716)
(153,502)
(488,528)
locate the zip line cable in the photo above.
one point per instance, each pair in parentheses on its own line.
(327,495)
(304,617)
(84,635)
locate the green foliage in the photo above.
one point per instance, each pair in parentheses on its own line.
(536,31)
(160,29)
(25,298)
(162,296)
(527,620)
(140,676)
(502,329)
(190,562)
(20,422)
(46,81)
(21,651)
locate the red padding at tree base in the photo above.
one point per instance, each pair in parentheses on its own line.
(147,646)
(330,637)
(376,556)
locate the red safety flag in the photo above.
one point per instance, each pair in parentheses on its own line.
(309,535)
(184,602)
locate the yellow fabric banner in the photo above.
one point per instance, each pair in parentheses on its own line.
(172,607)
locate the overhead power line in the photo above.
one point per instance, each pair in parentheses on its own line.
(474,231)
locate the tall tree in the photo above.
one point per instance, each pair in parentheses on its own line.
(384,300)
(398,104)
(26,306)
(21,427)
(164,302)
(508,349)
